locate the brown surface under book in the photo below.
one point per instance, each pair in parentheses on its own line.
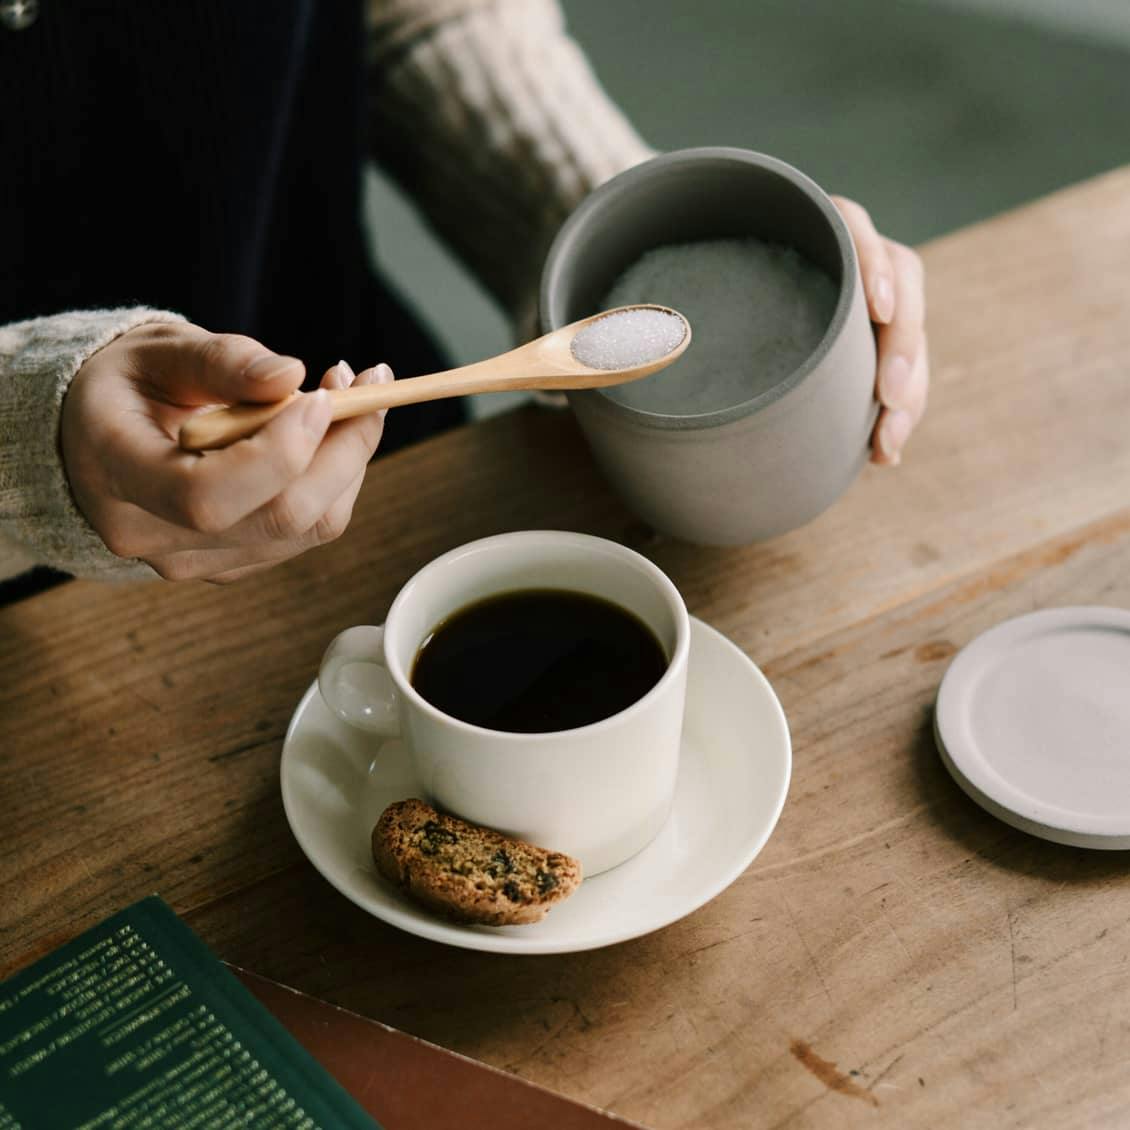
(408,1084)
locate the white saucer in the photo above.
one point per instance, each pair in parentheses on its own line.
(1033,722)
(734,772)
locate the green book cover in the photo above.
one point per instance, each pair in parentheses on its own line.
(137,1025)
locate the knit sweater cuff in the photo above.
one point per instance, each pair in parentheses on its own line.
(39,521)
(493,121)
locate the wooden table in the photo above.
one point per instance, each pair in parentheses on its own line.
(894,957)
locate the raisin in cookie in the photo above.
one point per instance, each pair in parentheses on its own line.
(469,873)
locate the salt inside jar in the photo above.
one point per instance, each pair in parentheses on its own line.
(758,310)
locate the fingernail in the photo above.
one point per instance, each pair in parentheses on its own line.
(316,412)
(893,432)
(884,298)
(269,366)
(344,375)
(894,381)
(376,375)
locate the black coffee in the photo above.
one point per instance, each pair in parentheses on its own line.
(538,660)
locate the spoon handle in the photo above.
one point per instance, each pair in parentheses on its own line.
(219,427)
(545,363)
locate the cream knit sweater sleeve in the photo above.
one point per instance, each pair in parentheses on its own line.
(488,114)
(39,522)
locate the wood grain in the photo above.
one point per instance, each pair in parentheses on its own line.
(894,957)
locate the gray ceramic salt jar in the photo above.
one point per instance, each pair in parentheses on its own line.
(754,469)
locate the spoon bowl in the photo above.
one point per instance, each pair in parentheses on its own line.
(547,363)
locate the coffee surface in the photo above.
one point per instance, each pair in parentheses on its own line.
(538,660)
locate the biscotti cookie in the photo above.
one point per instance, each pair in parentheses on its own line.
(466,872)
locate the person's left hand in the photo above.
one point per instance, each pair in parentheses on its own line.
(894,284)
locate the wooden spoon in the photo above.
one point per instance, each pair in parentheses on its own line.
(546,363)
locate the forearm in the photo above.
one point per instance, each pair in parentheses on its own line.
(39,521)
(487,112)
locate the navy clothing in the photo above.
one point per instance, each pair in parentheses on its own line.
(203,156)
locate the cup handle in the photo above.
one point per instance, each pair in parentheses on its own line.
(355,683)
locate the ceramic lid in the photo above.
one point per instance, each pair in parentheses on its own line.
(1033,722)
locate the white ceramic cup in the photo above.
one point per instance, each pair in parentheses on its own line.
(600,792)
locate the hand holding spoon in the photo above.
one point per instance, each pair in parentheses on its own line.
(609,348)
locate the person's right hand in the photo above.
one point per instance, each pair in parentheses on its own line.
(223,514)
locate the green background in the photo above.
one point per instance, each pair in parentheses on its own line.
(933,113)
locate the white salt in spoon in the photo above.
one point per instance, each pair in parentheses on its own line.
(608,348)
